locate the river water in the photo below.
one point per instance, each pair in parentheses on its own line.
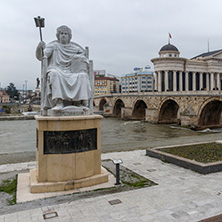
(117,135)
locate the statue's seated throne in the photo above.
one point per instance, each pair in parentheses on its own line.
(79,64)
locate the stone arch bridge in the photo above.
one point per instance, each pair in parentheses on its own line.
(202,109)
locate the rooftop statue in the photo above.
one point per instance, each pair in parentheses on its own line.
(65,73)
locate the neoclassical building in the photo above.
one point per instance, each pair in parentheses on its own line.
(173,73)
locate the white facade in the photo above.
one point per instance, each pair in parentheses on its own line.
(141,81)
(173,73)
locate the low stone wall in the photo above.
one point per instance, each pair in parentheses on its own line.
(203,168)
(20,117)
(13,108)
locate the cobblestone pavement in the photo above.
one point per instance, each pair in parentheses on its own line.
(181,195)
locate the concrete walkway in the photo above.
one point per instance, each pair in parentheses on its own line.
(181,195)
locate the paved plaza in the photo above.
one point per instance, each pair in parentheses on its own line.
(181,195)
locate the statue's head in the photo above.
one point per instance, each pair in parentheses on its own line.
(64,29)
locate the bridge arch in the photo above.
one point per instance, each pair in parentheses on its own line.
(210,114)
(117,108)
(169,112)
(102,102)
(139,110)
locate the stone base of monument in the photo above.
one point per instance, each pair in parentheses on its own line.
(43,187)
(68,153)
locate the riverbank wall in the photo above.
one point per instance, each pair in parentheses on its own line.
(8,109)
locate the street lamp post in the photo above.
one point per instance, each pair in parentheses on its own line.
(23,94)
(117,162)
(26,91)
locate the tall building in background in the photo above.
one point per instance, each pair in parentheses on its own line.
(105,85)
(99,72)
(141,80)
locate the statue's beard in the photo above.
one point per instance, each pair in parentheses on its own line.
(64,41)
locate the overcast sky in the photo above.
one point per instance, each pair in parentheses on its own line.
(121,34)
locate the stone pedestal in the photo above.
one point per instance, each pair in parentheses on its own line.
(37,91)
(68,153)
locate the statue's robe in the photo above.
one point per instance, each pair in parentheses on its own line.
(67,73)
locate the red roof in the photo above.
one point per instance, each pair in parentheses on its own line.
(4,93)
(105,78)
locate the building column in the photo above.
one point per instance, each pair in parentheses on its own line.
(194,82)
(156,81)
(174,81)
(212,84)
(159,82)
(207,82)
(186,81)
(166,81)
(201,81)
(218,81)
(180,81)
(220,86)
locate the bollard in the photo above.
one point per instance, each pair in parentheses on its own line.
(117,163)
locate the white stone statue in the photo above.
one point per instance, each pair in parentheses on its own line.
(65,73)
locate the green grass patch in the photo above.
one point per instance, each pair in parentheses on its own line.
(139,184)
(9,186)
(204,153)
(128,178)
(133,179)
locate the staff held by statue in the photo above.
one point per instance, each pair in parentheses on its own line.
(40,22)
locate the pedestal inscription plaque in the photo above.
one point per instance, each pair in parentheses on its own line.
(63,142)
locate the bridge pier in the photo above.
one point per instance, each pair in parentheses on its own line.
(152,115)
(188,120)
(107,111)
(126,113)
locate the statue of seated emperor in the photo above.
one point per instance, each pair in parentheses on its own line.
(65,73)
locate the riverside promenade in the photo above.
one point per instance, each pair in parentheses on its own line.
(181,195)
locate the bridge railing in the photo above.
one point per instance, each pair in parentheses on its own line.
(169,93)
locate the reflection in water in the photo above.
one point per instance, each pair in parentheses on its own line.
(117,135)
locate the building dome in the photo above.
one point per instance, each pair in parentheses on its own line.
(169,47)
(169,51)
